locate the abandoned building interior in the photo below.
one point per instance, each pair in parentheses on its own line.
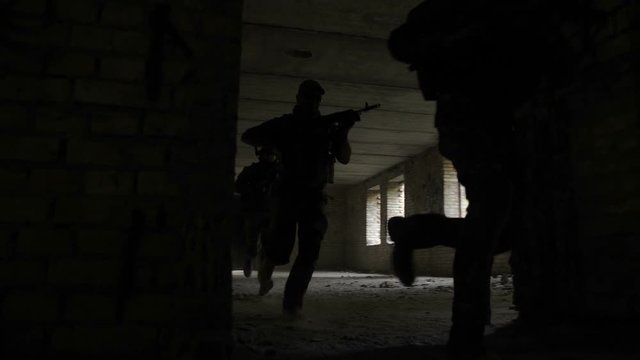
(121,123)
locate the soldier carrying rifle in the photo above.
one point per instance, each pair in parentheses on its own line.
(254,185)
(308,144)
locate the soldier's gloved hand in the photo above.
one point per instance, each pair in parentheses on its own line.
(350,120)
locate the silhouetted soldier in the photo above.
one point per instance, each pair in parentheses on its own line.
(254,185)
(478,59)
(308,145)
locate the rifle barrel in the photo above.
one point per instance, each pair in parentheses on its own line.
(368,107)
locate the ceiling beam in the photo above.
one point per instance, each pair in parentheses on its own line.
(271,50)
(353,17)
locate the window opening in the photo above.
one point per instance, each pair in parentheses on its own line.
(373,216)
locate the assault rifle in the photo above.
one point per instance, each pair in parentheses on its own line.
(343,117)
(341,121)
(367,107)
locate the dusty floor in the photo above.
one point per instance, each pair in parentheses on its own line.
(348,312)
(350,316)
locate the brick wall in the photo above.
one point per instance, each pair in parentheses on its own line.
(581,240)
(424,183)
(605,148)
(455,201)
(360,256)
(374,216)
(113,230)
(425,190)
(394,201)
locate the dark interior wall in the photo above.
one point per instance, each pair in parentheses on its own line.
(606,170)
(118,136)
(579,250)
(332,254)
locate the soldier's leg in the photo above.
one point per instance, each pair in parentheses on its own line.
(251,233)
(489,193)
(263,234)
(422,231)
(277,242)
(252,230)
(312,226)
(281,233)
(419,231)
(480,155)
(254,227)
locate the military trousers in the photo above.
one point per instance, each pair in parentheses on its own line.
(433,229)
(297,212)
(483,158)
(255,225)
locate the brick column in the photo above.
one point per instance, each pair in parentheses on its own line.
(117,160)
(578,252)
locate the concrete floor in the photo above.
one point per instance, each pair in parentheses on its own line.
(347,313)
(349,316)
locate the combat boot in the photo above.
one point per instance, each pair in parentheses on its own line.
(402,254)
(247,267)
(292,313)
(466,341)
(264,276)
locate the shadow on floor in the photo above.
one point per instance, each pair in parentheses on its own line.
(394,353)
(588,342)
(435,352)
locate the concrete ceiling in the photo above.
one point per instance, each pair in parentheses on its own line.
(349,57)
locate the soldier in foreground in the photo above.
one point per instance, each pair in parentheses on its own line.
(478,60)
(308,144)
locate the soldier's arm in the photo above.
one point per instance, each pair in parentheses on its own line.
(341,147)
